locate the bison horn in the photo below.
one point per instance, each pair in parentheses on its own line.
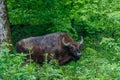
(81,42)
(63,41)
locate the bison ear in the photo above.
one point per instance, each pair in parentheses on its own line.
(63,41)
(81,42)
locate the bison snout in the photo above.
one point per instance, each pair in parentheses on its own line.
(79,54)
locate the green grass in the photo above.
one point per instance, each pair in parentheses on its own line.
(95,64)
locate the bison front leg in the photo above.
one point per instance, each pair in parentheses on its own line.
(64,60)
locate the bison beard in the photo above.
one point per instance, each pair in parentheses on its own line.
(61,45)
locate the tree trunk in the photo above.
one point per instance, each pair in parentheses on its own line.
(4,23)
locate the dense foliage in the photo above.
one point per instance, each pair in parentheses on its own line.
(95,64)
(91,18)
(97,20)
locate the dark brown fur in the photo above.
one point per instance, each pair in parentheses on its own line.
(51,44)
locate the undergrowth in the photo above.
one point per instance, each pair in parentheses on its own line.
(101,63)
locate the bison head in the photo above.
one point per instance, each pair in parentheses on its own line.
(73,48)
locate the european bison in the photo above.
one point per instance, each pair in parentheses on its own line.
(59,44)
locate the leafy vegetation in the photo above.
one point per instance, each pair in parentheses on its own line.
(94,64)
(97,20)
(90,18)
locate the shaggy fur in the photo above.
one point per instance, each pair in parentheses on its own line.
(61,45)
